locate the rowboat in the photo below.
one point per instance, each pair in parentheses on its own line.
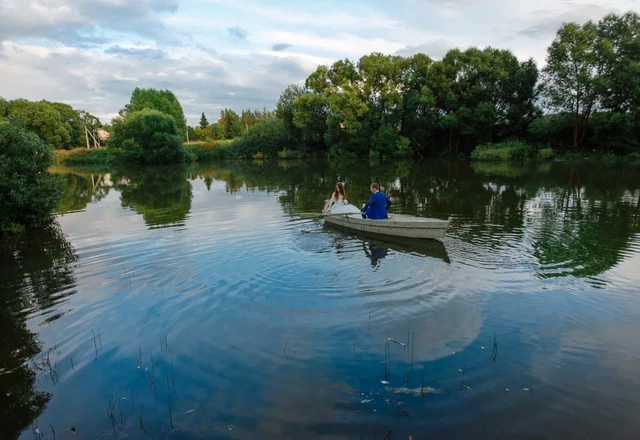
(397,225)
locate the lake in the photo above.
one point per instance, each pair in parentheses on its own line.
(211,302)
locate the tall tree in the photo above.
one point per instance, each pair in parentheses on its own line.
(203,122)
(230,123)
(162,100)
(44,120)
(618,50)
(572,74)
(149,136)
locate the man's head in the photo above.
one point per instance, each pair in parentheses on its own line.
(374,188)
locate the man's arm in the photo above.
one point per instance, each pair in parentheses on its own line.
(388,202)
(368,204)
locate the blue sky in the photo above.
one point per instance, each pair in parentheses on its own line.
(241,54)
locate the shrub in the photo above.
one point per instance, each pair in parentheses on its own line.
(545,153)
(149,136)
(28,194)
(268,137)
(290,154)
(508,150)
(84,156)
(210,151)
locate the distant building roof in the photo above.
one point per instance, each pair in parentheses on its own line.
(103,135)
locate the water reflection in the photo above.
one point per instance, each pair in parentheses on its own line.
(563,219)
(251,320)
(377,247)
(37,278)
(84,186)
(162,195)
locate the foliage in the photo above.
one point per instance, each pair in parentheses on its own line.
(267,138)
(163,101)
(148,136)
(571,75)
(546,153)
(55,123)
(196,134)
(289,154)
(203,122)
(618,50)
(249,118)
(84,156)
(508,150)
(285,110)
(210,151)
(215,132)
(230,123)
(28,194)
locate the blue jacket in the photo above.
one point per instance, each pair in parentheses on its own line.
(377,206)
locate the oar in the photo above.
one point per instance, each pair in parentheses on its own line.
(323,214)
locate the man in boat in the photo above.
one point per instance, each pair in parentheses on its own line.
(377,206)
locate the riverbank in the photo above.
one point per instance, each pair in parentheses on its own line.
(206,152)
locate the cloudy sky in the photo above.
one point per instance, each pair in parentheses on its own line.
(241,53)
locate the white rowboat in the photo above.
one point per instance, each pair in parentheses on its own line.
(397,225)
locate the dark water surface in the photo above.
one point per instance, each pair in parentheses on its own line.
(204,303)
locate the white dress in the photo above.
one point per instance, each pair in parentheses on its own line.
(341,206)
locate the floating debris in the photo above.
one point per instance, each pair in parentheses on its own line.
(367,401)
(189,411)
(399,343)
(384,382)
(412,391)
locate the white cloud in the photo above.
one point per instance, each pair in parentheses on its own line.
(241,54)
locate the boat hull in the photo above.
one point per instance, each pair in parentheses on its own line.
(395,226)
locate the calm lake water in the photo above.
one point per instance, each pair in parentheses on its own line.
(206,303)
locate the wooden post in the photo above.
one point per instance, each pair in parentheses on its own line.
(187,134)
(86,135)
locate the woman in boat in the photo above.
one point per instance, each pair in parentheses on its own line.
(338,202)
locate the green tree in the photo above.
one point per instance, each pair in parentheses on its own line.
(572,75)
(4,107)
(28,194)
(162,100)
(310,112)
(203,121)
(73,120)
(149,136)
(482,95)
(44,120)
(284,109)
(420,118)
(266,137)
(216,132)
(92,123)
(618,53)
(230,123)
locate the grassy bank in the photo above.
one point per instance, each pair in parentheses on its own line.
(515,150)
(200,152)
(205,152)
(195,152)
(510,150)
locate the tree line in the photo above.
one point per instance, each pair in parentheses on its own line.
(57,124)
(587,96)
